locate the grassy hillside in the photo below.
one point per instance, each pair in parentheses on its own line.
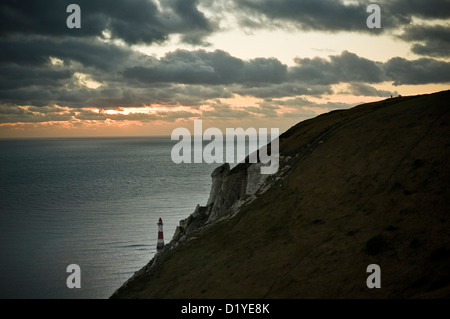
(369,185)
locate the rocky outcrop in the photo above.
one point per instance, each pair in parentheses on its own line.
(218,176)
(230,190)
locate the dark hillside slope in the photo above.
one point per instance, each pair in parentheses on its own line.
(369,185)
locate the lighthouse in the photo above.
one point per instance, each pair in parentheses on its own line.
(160,243)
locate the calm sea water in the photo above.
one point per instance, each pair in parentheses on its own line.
(91,202)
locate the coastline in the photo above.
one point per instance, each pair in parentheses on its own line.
(341,200)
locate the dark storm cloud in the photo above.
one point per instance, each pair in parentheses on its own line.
(111,95)
(429,40)
(133,21)
(45,95)
(201,67)
(13,76)
(259,77)
(421,71)
(325,15)
(309,14)
(346,67)
(90,53)
(429,9)
(293,88)
(189,17)
(432,48)
(336,15)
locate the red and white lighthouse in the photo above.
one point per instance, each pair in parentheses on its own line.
(160,243)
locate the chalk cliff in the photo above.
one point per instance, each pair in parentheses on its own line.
(355,187)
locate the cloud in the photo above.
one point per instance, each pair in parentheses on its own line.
(190,18)
(306,14)
(225,111)
(428,40)
(125,78)
(329,15)
(202,67)
(430,9)
(45,65)
(300,107)
(17,114)
(13,76)
(133,21)
(346,67)
(286,89)
(265,109)
(421,71)
(272,108)
(361,89)
(88,52)
(335,15)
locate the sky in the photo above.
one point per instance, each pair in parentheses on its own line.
(146,67)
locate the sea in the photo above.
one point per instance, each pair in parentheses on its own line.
(93,202)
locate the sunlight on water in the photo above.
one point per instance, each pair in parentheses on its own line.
(92,202)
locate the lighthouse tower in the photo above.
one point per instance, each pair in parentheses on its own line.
(160,244)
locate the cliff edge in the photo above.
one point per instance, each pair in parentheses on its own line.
(368,185)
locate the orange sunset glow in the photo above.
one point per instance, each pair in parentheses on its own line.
(240,66)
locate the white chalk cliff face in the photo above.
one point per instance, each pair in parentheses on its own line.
(218,176)
(230,190)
